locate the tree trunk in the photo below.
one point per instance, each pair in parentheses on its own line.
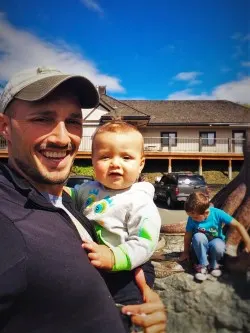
(235,200)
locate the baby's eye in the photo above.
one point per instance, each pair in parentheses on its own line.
(126,157)
(104,158)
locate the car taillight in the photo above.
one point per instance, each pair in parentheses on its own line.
(177,191)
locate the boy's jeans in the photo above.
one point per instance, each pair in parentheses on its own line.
(202,247)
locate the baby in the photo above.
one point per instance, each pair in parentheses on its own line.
(126,219)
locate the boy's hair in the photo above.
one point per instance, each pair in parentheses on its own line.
(197,202)
(117,126)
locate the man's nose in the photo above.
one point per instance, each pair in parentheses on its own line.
(60,134)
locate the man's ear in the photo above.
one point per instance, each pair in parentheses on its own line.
(5,126)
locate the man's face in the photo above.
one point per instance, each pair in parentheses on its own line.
(117,159)
(43,139)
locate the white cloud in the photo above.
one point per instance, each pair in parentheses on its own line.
(187,94)
(238,51)
(236,35)
(20,49)
(246,38)
(93,5)
(245,63)
(240,37)
(235,91)
(189,77)
(225,69)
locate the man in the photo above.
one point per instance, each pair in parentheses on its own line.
(46,281)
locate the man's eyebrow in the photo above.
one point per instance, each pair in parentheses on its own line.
(42,113)
(77,115)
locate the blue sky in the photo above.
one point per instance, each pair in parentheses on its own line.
(140,49)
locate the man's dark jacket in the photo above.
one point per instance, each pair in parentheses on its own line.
(47,284)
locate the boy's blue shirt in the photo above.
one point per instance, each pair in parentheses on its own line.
(212,225)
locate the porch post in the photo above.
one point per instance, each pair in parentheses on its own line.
(169,165)
(200,144)
(230,169)
(200,166)
(229,145)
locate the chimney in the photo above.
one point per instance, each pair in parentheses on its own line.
(101,90)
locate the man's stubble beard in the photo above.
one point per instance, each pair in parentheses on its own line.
(35,176)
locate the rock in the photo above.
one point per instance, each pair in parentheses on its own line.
(214,306)
(161,244)
(174,228)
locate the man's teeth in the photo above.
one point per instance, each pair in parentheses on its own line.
(53,154)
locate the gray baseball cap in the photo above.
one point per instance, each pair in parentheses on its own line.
(36,83)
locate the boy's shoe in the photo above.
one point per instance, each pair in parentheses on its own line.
(201,272)
(216,272)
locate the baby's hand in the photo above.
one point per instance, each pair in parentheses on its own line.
(100,256)
(184,256)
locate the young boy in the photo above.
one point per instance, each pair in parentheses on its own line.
(127,220)
(204,231)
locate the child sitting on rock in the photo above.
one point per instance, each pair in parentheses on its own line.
(204,232)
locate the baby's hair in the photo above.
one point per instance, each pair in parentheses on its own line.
(117,126)
(197,202)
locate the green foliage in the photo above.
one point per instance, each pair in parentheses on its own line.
(82,168)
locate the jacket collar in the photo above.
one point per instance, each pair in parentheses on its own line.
(24,186)
(15,178)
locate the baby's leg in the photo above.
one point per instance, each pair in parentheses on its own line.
(124,289)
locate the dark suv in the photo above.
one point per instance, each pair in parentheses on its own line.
(78,179)
(176,186)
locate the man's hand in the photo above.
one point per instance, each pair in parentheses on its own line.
(151,315)
(184,256)
(100,256)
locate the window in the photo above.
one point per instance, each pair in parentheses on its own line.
(169,138)
(238,137)
(208,138)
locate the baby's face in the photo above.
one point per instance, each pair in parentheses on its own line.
(198,217)
(117,159)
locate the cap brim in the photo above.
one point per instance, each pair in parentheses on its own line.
(80,86)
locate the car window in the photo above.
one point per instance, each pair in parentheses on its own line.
(77,181)
(170,180)
(191,180)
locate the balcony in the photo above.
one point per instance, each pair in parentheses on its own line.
(194,145)
(159,147)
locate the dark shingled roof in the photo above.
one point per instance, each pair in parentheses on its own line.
(182,112)
(120,108)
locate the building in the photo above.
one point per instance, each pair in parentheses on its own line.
(174,130)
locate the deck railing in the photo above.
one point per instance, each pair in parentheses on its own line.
(178,144)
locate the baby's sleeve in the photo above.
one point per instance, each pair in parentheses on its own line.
(143,229)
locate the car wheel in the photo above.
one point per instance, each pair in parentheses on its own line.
(169,202)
